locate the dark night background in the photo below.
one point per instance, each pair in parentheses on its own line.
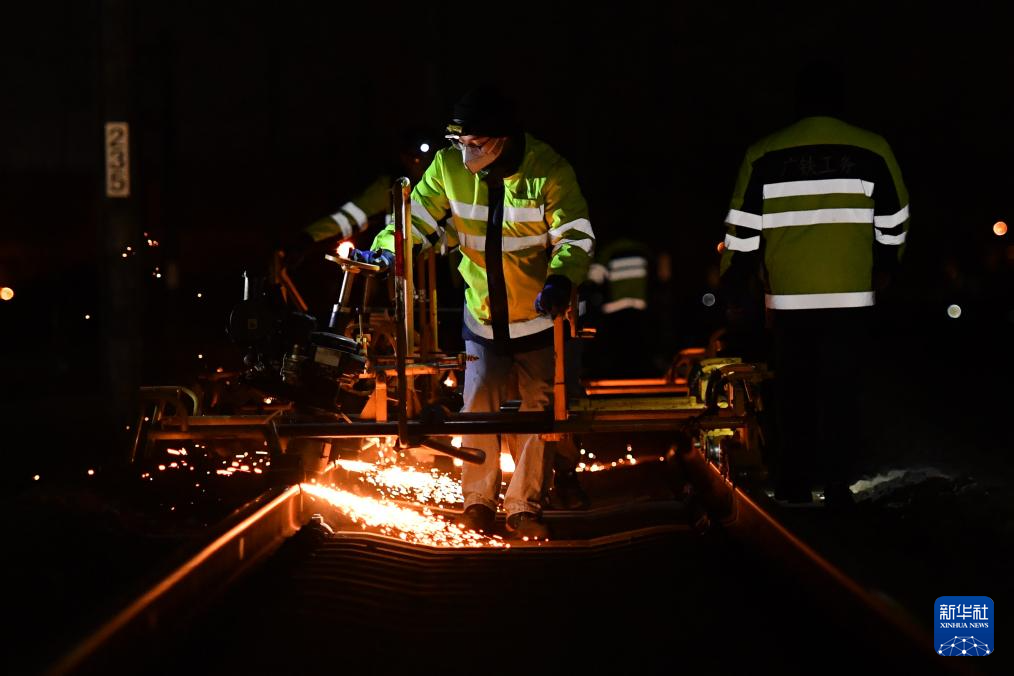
(248,119)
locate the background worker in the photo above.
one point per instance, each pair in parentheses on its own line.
(517,214)
(820,211)
(305,248)
(620,279)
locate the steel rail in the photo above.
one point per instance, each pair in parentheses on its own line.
(243,539)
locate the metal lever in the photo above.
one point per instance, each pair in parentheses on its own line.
(476,456)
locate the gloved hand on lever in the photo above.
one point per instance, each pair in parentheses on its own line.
(381,257)
(554,297)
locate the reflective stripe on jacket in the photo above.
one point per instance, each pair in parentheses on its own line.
(353,216)
(622,268)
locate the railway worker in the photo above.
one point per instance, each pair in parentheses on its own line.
(514,208)
(620,278)
(819,216)
(304,248)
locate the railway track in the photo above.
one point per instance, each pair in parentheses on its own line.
(292,583)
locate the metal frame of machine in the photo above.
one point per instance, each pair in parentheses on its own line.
(716,398)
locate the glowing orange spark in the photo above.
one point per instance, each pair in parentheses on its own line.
(406,524)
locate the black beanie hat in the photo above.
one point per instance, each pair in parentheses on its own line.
(484,111)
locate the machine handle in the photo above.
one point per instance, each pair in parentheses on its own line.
(476,456)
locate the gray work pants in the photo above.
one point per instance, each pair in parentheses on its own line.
(490,379)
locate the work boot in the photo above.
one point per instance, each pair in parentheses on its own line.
(567,492)
(478,518)
(527,525)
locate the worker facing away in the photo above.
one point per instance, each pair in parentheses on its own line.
(821,212)
(514,208)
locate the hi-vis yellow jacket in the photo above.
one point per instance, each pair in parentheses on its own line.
(822,205)
(546,231)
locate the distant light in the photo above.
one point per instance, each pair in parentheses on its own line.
(128,248)
(200,356)
(158,275)
(708,299)
(720,247)
(424,148)
(88,316)
(953,311)
(268,400)
(124,255)
(344,249)
(456,442)
(199,294)
(36,477)
(1000,228)
(91,472)
(458,462)
(6,293)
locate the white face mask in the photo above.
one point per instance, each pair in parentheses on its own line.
(477,158)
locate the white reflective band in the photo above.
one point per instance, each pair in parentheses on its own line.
(742,243)
(519,243)
(618,275)
(817,301)
(356,213)
(627,262)
(580,224)
(744,218)
(827,186)
(583,244)
(523,214)
(597,273)
(893,240)
(893,220)
(817,216)
(424,215)
(343,222)
(478,242)
(515,329)
(624,304)
(477,212)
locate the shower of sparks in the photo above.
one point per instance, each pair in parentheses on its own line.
(396,482)
(625,461)
(421,528)
(181,459)
(245,463)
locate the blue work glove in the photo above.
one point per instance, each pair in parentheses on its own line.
(381,257)
(554,297)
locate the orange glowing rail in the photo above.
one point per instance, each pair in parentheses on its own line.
(217,562)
